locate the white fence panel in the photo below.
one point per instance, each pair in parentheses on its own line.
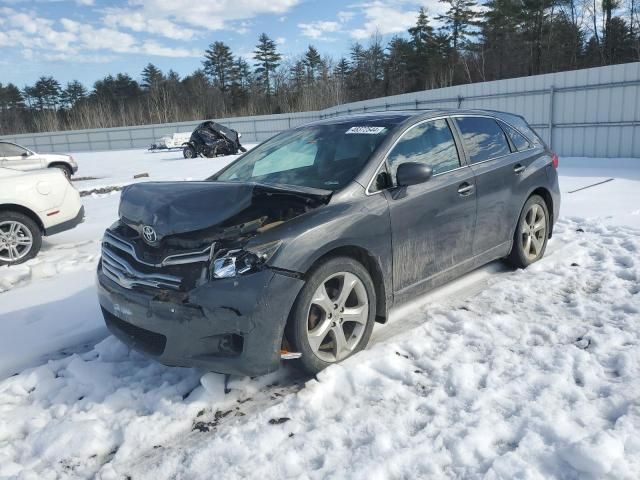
(591,112)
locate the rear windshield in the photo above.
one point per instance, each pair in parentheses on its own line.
(319,156)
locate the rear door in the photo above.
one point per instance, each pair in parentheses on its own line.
(19,158)
(432,223)
(497,166)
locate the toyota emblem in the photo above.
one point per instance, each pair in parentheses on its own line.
(149,234)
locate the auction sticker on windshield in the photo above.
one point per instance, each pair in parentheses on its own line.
(366,130)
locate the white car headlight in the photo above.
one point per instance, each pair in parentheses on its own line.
(231,263)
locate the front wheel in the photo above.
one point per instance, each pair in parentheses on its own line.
(532,233)
(20,238)
(334,314)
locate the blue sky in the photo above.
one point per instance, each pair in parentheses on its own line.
(87,39)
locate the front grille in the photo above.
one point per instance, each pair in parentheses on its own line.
(122,262)
(121,272)
(149,342)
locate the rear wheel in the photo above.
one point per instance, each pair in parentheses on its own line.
(189,152)
(334,314)
(20,238)
(531,235)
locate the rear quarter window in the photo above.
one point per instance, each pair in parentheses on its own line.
(483,138)
(517,139)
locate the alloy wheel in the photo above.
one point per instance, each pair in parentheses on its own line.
(337,316)
(533,229)
(16,241)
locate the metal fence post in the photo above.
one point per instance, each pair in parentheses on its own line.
(551,94)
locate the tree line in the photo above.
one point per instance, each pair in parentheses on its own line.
(504,39)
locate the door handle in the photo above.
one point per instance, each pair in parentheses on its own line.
(518,169)
(465,189)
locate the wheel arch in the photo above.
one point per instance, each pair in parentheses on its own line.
(14,207)
(58,164)
(369,262)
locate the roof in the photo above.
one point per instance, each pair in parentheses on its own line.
(395,117)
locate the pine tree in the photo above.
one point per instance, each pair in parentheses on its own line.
(312,62)
(218,64)
(241,80)
(342,69)
(423,46)
(45,93)
(10,97)
(267,60)
(73,93)
(397,71)
(459,20)
(298,74)
(501,39)
(152,77)
(116,89)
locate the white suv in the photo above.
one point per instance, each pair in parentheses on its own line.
(33,204)
(21,158)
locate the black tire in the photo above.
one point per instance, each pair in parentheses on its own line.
(519,257)
(189,152)
(34,229)
(65,169)
(299,318)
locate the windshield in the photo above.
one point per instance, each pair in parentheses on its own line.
(320,156)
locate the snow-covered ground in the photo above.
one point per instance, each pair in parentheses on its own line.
(500,374)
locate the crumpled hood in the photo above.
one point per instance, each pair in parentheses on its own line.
(181,207)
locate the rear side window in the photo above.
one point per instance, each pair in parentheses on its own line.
(483,138)
(430,143)
(518,140)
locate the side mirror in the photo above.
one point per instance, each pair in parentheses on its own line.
(412,173)
(26,154)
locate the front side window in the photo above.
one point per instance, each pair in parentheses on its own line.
(430,143)
(11,150)
(319,156)
(483,138)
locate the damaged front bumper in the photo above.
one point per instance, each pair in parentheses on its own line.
(233,325)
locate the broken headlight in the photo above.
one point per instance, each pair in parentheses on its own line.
(234,262)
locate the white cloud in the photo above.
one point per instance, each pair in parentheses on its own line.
(318,29)
(387,17)
(208,15)
(70,40)
(344,16)
(281,40)
(138,22)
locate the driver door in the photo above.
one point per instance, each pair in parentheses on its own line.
(432,223)
(19,158)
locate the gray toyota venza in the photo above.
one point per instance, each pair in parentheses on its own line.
(298,247)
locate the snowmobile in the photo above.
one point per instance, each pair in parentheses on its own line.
(210,139)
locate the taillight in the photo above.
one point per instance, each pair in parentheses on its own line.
(555,160)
